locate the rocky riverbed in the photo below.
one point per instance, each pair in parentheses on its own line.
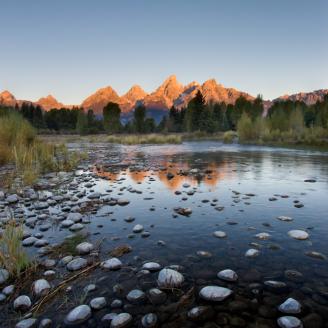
(195,235)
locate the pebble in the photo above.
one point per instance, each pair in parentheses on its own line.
(22,303)
(121,320)
(138,228)
(290,306)
(215,293)
(219,234)
(149,320)
(136,296)
(27,323)
(228,275)
(168,278)
(78,315)
(4,276)
(151,266)
(252,253)
(84,248)
(289,322)
(298,234)
(111,264)
(41,287)
(77,264)
(98,303)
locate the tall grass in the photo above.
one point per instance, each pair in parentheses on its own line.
(12,256)
(20,146)
(145,139)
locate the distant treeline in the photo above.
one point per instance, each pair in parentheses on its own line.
(245,116)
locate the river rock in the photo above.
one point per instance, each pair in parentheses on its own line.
(289,322)
(156,296)
(151,266)
(121,320)
(298,234)
(111,264)
(228,275)
(168,278)
(78,315)
(290,306)
(136,296)
(138,228)
(215,293)
(22,303)
(149,320)
(84,248)
(27,323)
(41,287)
(4,276)
(252,253)
(98,303)
(284,218)
(219,234)
(77,264)
(263,236)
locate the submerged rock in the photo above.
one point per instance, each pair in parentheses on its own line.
(98,303)
(111,264)
(219,234)
(77,264)
(84,248)
(298,234)
(168,278)
(149,320)
(151,266)
(136,296)
(215,293)
(252,253)
(228,275)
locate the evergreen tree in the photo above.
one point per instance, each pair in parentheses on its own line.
(139,118)
(111,114)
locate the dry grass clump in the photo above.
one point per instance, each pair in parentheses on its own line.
(12,256)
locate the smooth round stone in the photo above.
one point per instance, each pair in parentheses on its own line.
(107,318)
(168,278)
(197,312)
(66,223)
(77,264)
(136,296)
(284,218)
(41,243)
(76,227)
(149,320)
(49,273)
(263,236)
(8,290)
(65,260)
(75,217)
(298,234)
(45,323)
(121,320)
(215,293)
(27,323)
(116,304)
(219,234)
(89,288)
(22,303)
(228,275)
(111,264)
(78,315)
(29,241)
(151,266)
(156,296)
(98,303)
(4,276)
(252,253)
(84,248)
(316,255)
(123,202)
(275,285)
(289,322)
(41,287)
(2,297)
(138,228)
(290,306)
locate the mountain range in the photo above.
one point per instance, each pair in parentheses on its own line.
(170,92)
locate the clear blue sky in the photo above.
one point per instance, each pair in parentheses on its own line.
(70,48)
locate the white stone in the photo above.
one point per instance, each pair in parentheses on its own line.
(290,306)
(168,278)
(228,275)
(22,302)
(84,248)
(284,218)
(215,293)
(289,322)
(263,235)
(41,287)
(138,228)
(111,264)
(252,253)
(219,234)
(78,315)
(121,320)
(151,266)
(298,234)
